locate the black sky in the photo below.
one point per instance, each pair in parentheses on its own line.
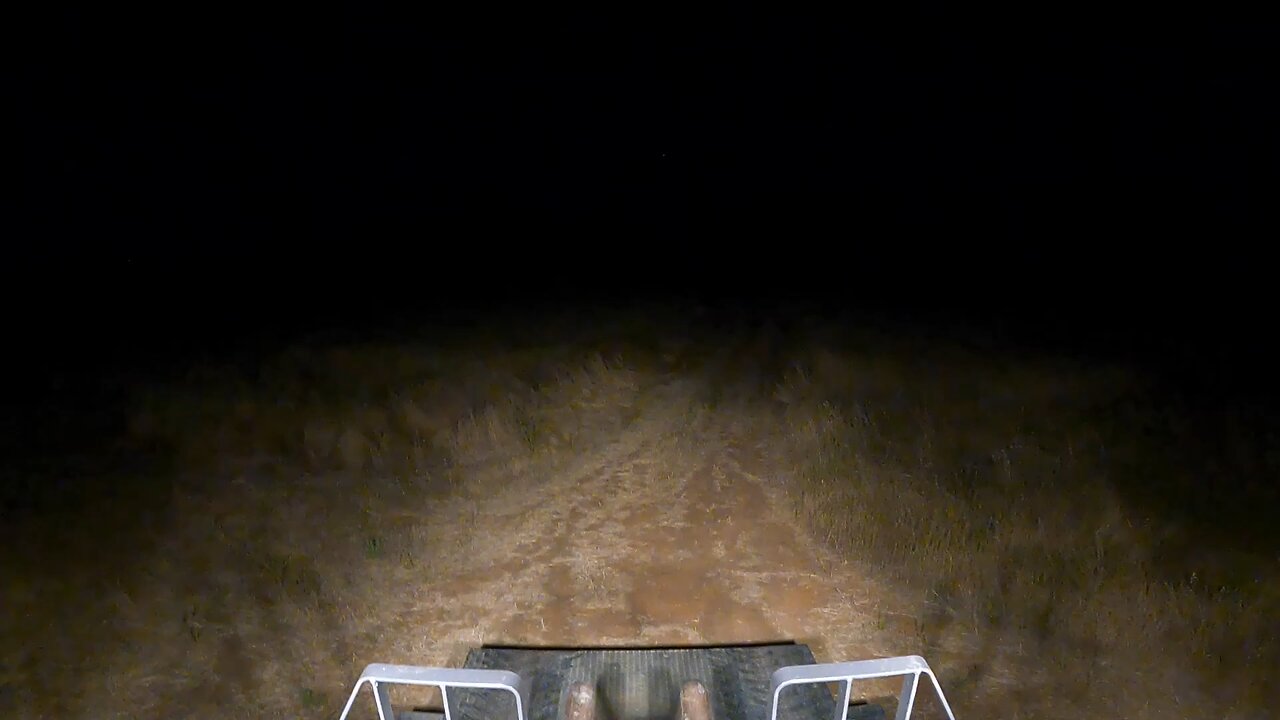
(203,174)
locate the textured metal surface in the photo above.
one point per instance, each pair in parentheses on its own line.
(645,684)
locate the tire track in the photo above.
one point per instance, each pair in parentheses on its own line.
(662,538)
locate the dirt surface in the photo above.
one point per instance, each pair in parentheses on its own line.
(652,541)
(667,531)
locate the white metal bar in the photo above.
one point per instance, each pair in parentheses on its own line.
(911,667)
(382,698)
(379,676)
(846,689)
(907,698)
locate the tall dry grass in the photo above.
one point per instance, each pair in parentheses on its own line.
(989,494)
(304,501)
(301,504)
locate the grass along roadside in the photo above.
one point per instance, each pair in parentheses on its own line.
(257,575)
(1023,570)
(309,499)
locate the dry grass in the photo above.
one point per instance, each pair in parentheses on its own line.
(986,495)
(312,501)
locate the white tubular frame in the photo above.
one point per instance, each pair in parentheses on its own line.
(379,676)
(910,667)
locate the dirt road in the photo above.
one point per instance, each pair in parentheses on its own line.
(655,540)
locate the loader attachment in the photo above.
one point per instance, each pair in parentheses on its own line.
(777,681)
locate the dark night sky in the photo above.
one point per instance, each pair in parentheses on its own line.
(196,177)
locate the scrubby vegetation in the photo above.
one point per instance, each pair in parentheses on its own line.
(994,495)
(296,505)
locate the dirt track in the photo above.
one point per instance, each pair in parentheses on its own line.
(651,541)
